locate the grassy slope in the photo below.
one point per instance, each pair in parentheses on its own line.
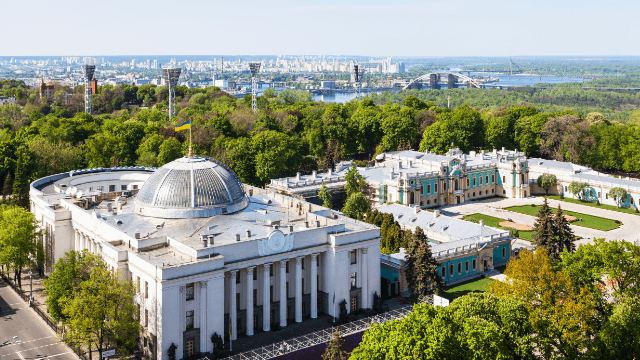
(472,286)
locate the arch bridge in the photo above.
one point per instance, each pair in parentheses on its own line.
(434,78)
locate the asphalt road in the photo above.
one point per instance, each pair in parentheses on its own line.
(38,341)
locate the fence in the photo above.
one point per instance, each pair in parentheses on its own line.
(58,330)
(322,336)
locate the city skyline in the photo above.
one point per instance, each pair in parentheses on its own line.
(375,28)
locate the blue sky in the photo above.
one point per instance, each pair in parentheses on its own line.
(302,27)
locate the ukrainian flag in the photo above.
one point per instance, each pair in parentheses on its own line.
(184,126)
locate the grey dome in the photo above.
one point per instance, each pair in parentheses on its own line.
(190,188)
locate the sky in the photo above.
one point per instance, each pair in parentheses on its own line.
(327,27)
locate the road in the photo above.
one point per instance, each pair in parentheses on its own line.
(38,341)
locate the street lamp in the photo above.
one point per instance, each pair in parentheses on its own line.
(30,280)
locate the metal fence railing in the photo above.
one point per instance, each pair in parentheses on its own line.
(322,336)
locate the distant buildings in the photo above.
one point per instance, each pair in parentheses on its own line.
(6,100)
(46,90)
(328,84)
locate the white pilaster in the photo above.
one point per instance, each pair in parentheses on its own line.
(77,241)
(299,289)
(314,286)
(365,278)
(266,297)
(233,310)
(204,339)
(250,300)
(283,293)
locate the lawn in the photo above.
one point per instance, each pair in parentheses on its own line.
(493,222)
(478,285)
(592,204)
(588,221)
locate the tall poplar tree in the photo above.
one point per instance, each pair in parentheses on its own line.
(544,230)
(334,351)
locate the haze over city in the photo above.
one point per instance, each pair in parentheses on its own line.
(372,28)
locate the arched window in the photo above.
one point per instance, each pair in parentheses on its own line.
(474,181)
(428,189)
(473,264)
(457,187)
(435,188)
(493,178)
(466,266)
(451,270)
(504,252)
(486,179)
(444,271)
(459,267)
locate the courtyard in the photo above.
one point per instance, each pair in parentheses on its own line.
(494,209)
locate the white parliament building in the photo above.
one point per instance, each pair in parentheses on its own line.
(206,252)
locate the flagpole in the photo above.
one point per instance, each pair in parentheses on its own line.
(190,153)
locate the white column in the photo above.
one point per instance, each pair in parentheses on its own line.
(77,241)
(250,300)
(299,289)
(233,307)
(283,293)
(266,299)
(205,340)
(314,286)
(90,244)
(365,278)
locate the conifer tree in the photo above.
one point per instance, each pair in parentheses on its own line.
(565,236)
(544,230)
(334,351)
(422,268)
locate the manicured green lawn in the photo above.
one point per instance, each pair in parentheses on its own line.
(592,204)
(478,285)
(589,221)
(493,222)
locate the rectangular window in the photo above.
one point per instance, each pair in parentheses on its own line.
(135,187)
(428,189)
(428,202)
(493,178)
(146,318)
(318,281)
(504,180)
(238,301)
(474,182)
(112,188)
(467,182)
(287,267)
(190,319)
(255,297)
(146,290)
(435,187)
(606,195)
(435,201)
(303,259)
(189,291)
(123,187)
(271,293)
(255,274)
(271,270)
(238,278)
(353,280)
(486,179)
(99,188)
(353,257)
(304,308)
(287,289)
(302,285)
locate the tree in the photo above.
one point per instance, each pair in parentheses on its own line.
(25,169)
(576,188)
(19,233)
(560,314)
(619,195)
(422,268)
(547,181)
(170,150)
(355,181)
(7,189)
(564,234)
(334,348)
(474,326)
(103,313)
(544,230)
(620,336)
(356,206)
(325,196)
(64,282)
(566,138)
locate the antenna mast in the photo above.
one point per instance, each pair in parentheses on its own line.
(88,71)
(171,76)
(255,69)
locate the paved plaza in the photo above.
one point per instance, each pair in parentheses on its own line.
(629,230)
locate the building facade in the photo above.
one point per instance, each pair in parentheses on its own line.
(463,250)
(207,254)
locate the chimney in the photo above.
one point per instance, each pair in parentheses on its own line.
(276,226)
(290,228)
(314,174)
(482,223)
(399,164)
(211,237)
(410,164)
(248,234)
(306,224)
(136,235)
(297,176)
(391,173)
(503,149)
(416,209)
(317,223)
(330,172)
(204,241)
(436,213)
(237,237)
